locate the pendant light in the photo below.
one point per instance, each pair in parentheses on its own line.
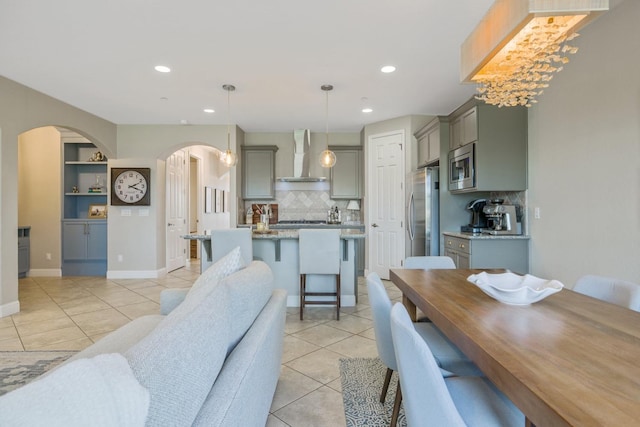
(229,158)
(327,157)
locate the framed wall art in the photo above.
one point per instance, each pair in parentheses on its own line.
(207,199)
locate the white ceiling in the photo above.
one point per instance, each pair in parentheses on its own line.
(99,56)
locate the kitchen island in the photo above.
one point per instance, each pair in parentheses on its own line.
(279,249)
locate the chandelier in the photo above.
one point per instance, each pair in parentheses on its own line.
(515,50)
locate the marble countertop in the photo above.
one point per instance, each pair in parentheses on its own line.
(291,234)
(477,236)
(299,226)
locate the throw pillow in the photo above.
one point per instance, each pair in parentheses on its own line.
(249,291)
(226,265)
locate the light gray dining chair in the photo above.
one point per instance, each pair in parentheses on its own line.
(319,253)
(430,399)
(224,241)
(619,292)
(449,357)
(429,262)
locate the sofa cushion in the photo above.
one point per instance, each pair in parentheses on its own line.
(101,391)
(180,359)
(249,290)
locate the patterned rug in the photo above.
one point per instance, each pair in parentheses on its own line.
(20,367)
(362,380)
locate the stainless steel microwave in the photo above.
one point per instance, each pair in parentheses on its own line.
(462,166)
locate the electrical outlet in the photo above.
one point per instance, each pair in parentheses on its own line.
(48,256)
(536,212)
(120,258)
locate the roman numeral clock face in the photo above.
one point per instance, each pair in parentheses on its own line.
(130,186)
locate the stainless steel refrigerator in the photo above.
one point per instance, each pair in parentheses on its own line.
(423,221)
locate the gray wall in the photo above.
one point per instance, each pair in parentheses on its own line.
(23,109)
(584,157)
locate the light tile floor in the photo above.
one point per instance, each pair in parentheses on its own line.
(71,313)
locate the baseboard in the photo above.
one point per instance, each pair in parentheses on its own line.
(136,274)
(45,272)
(345,301)
(9,309)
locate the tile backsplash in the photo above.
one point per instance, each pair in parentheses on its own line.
(309,201)
(518,198)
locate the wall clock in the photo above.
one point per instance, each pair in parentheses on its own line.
(130,186)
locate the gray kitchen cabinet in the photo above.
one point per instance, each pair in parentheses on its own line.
(346,175)
(84,247)
(464,128)
(500,149)
(488,252)
(259,172)
(429,142)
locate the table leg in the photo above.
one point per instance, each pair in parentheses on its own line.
(410,306)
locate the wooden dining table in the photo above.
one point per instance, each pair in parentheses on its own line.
(568,360)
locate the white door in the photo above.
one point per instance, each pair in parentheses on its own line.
(176,209)
(385,161)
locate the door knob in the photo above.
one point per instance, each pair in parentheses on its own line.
(374,225)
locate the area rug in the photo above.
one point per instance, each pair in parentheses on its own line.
(20,367)
(362,380)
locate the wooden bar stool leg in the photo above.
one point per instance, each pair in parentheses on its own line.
(338,296)
(303,287)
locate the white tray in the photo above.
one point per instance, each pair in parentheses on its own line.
(510,288)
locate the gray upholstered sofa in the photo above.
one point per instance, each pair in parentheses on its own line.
(213,359)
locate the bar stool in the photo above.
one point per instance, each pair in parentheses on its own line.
(224,241)
(319,252)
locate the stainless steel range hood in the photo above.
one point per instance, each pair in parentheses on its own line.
(302,145)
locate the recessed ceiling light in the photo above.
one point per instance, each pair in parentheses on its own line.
(367,110)
(209,110)
(162,69)
(388,69)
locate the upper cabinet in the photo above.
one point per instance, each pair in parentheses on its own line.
(429,141)
(499,137)
(259,171)
(346,175)
(464,128)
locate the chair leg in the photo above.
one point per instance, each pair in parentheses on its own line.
(338,296)
(396,406)
(302,291)
(385,386)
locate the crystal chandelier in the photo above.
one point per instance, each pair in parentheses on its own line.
(515,50)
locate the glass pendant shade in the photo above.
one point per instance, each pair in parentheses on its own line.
(229,158)
(327,159)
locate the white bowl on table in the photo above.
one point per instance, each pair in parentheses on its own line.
(511,288)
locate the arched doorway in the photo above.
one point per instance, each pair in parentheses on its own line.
(213,185)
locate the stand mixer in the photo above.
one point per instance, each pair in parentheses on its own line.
(501,219)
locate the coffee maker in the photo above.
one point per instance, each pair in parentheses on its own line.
(501,219)
(478,222)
